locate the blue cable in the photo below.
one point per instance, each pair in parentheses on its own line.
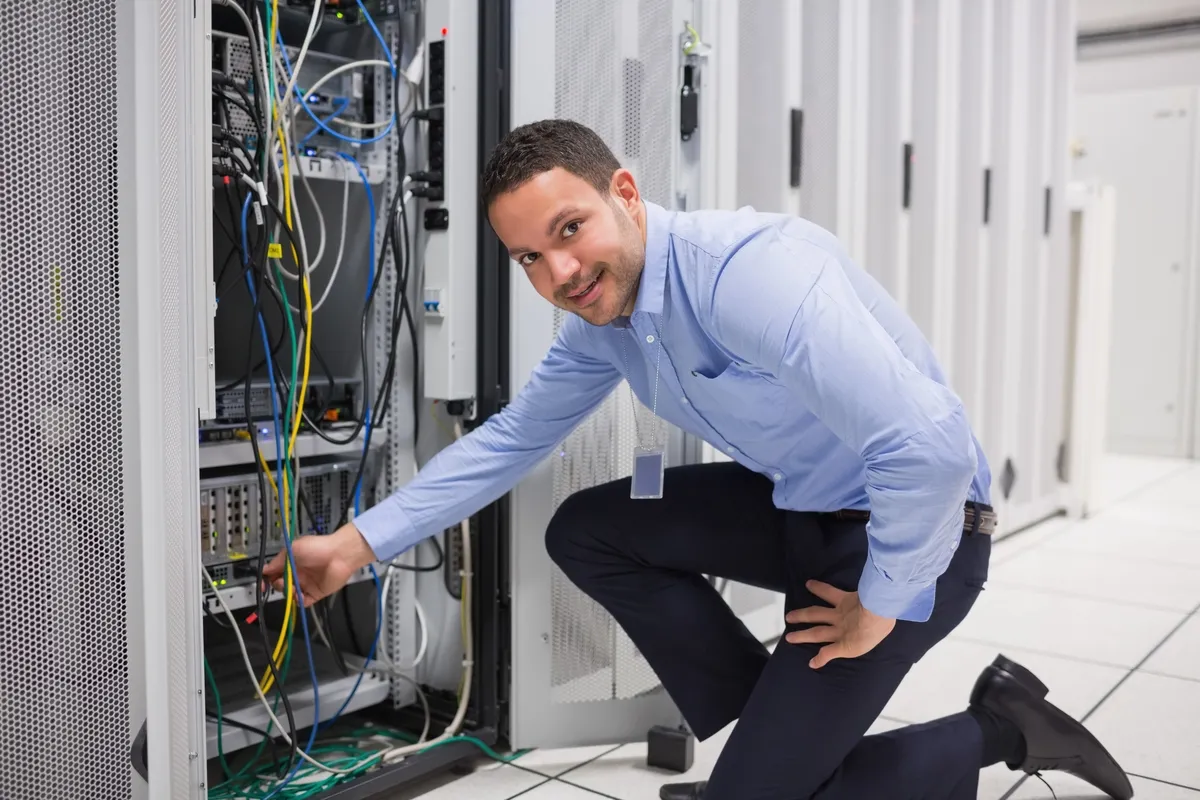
(366,435)
(343,103)
(279,458)
(370,280)
(287,65)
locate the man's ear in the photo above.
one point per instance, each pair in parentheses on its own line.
(625,190)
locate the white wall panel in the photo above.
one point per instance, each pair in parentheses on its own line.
(967,363)
(835,60)
(937,64)
(768,89)
(889,65)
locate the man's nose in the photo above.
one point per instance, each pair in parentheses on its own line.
(563,267)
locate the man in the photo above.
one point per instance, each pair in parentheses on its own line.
(856,487)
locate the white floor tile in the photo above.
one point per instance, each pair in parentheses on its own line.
(1180,655)
(1132,541)
(940,684)
(996,781)
(1155,515)
(883,725)
(1005,548)
(1088,630)
(1120,476)
(1101,577)
(1179,488)
(558,790)
(1067,787)
(491,781)
(1151,725)
(557,761)
(623,772)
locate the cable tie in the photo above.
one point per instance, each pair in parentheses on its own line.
(462,573)
(468,662)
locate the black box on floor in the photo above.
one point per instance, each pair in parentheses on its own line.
(670,748)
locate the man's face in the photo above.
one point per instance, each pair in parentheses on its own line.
(583,251)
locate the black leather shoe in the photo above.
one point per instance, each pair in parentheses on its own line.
(683,791)
(1053,740)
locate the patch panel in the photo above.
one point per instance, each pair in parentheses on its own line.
(343,96)
(232,513)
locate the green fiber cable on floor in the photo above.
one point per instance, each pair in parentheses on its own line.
(306,785)
(215,792)
(212,684)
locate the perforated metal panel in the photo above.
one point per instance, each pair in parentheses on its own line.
(64,694)
(176,496)
(628,51)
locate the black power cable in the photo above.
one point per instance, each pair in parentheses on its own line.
(260,596)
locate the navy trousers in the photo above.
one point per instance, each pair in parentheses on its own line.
(800,732)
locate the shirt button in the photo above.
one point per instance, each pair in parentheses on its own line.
(650,339)
(685,401)
(778,476)
(729,448)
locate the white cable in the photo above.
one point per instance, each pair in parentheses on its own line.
(421,648)
(413,88)
(468,646)
(295,73)
(316,261)
(341,239)
(262,698)
(297,231)
(309,267)
(370,62)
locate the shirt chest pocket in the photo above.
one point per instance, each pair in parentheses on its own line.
(739,398)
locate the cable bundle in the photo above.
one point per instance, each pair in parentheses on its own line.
(259,181)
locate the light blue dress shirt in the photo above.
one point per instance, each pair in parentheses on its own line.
(778,350)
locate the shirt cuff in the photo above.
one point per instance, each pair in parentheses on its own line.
(910,602)
(387,528)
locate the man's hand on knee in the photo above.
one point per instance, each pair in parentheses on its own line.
(848,630)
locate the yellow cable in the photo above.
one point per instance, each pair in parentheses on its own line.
(289,618)
(289,601)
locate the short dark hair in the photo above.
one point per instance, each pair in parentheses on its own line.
(541,146)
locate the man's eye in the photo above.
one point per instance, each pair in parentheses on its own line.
(528,259)
(571,228)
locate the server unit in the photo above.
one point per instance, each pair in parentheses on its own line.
(934,145)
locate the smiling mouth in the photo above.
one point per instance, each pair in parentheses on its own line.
(585,289)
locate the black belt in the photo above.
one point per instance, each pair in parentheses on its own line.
(979,518)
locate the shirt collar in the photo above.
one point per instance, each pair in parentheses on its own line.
(653,282)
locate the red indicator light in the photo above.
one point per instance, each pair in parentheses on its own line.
(444,31)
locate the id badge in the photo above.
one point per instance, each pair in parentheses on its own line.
(648,466)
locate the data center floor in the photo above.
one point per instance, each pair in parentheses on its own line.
(1106,611)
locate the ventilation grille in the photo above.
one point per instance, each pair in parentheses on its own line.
(64,678)
(627,50)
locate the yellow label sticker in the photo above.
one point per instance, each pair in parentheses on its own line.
(274,250)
